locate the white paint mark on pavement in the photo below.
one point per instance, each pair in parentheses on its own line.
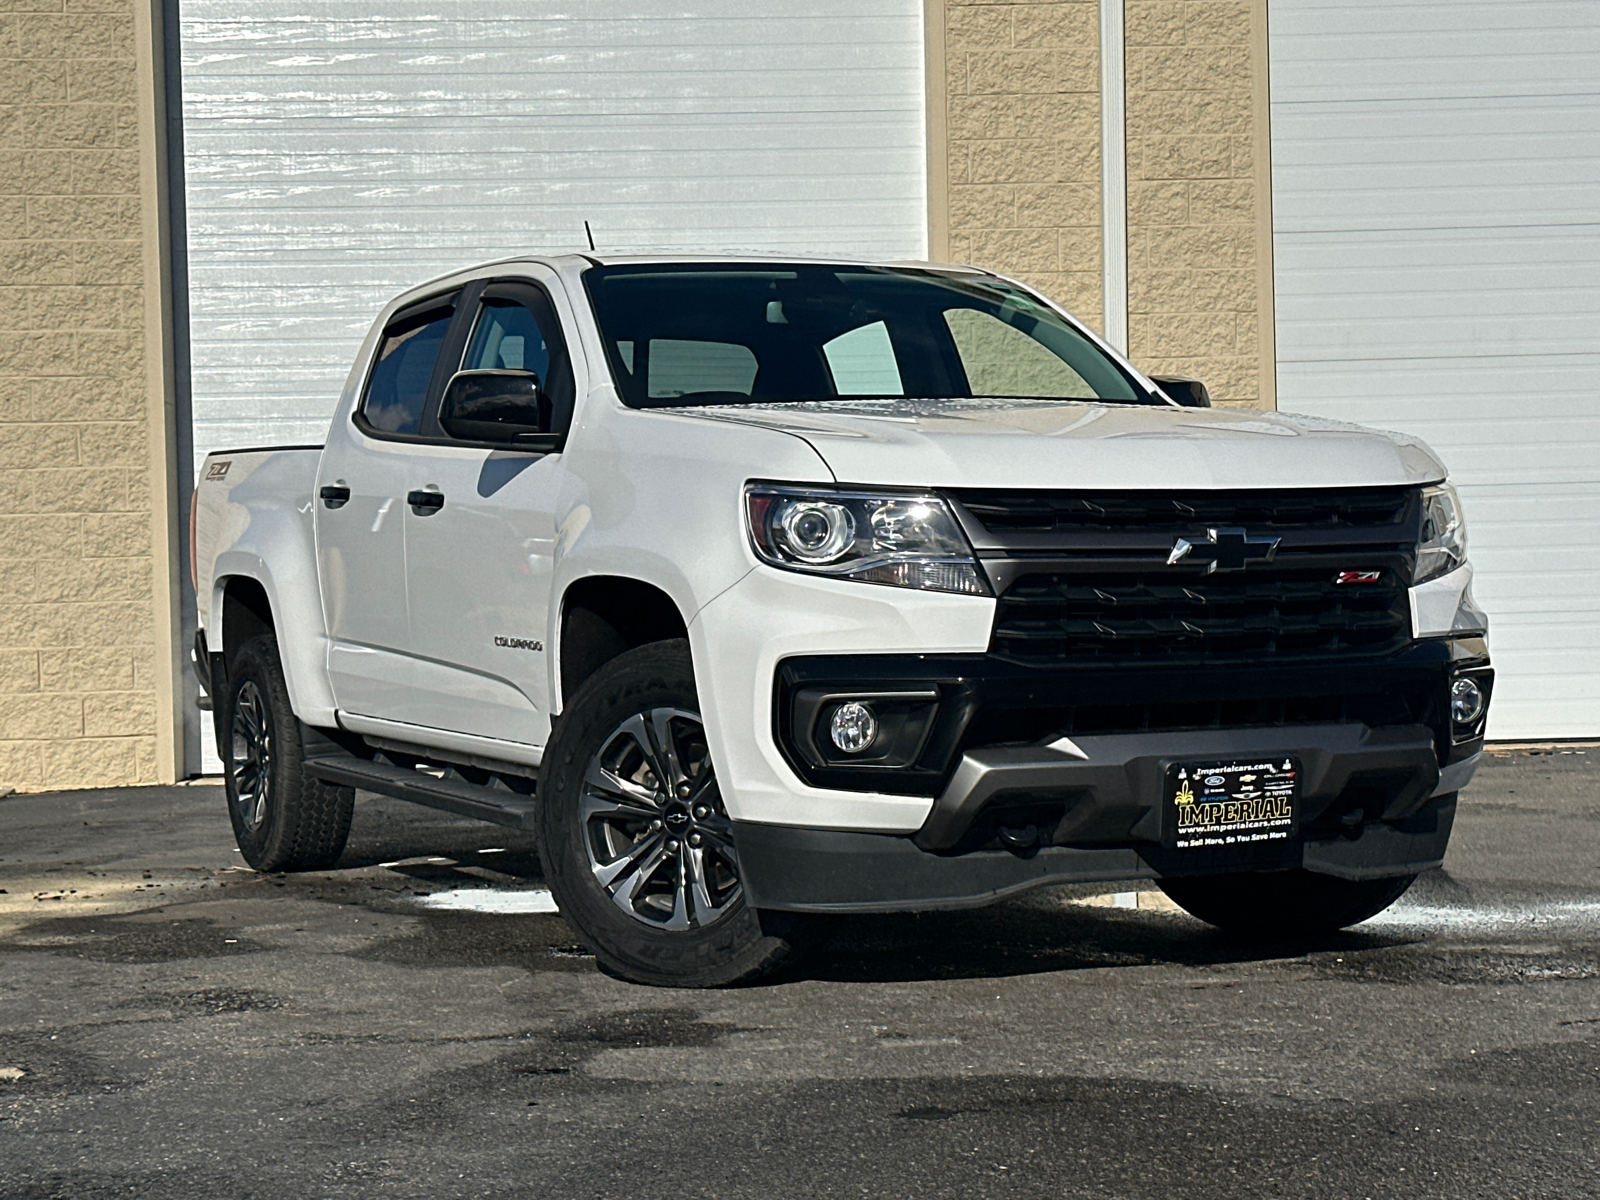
(491,900)
(1487,918)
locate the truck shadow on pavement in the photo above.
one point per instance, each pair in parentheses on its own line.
(1046,931)
(1042,934)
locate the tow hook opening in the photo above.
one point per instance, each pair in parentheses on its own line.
(1018,838)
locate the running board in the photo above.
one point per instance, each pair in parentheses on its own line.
(503,807)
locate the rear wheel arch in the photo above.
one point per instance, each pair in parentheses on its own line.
(604,616)
(246,613)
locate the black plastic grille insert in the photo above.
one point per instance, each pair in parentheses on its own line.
(1149,615)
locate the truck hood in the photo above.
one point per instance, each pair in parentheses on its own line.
(1069,444)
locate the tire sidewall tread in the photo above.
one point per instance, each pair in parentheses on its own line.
(307,821)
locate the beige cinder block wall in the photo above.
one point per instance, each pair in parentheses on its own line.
(1014,143)
(1199,195)
(1014,174)
(86,524)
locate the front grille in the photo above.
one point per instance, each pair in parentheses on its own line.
(1149,615)
(1085,577)
(1176,512)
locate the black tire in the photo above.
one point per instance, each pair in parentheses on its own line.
(283,819)
(1278,904)
(616,846)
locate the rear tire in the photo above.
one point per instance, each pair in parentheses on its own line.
(635,842)
(1283,903)
(283,819)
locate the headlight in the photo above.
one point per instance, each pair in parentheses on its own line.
(1444,534)
(901,540)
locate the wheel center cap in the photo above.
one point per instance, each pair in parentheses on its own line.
(676,817)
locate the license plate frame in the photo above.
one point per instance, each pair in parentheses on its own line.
(1233,803)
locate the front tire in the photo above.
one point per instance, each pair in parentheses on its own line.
(635,841)
(283,819)
(1278,904)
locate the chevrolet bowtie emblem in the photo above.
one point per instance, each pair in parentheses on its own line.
(1223,549)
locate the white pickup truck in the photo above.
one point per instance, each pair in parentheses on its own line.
(769,588)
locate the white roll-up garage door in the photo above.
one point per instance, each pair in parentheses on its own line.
(334,157)
(1436,169)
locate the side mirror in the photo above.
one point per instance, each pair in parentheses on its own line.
(1190,393)
(497,406)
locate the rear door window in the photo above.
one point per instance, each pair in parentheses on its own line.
(398,389)
(862,362)
(696,369)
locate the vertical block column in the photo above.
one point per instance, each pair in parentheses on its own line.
(1021,131)
(79,612)
(1199,224)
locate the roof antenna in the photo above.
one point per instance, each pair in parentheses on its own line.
(590,234)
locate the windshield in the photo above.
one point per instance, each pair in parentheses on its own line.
(682,335)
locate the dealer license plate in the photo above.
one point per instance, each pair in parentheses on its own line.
(1235,803)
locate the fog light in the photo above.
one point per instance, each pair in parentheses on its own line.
(1466,701)
(854,727)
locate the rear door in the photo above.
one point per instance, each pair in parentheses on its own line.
(362,483)
(479,565)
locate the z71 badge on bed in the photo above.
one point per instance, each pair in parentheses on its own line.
(1232,803)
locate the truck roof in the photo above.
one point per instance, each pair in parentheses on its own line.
(579,262)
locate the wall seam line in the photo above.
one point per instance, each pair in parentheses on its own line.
(1114,173)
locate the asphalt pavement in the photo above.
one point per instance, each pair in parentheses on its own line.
(175,1025)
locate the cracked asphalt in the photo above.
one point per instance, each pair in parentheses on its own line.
(173,1025)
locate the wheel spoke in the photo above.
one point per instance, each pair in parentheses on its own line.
(608,873)
(604,808)
(718,830)
(666,748)
(705,909)
(601,778)
(635,729)
(626,888)
(680,920)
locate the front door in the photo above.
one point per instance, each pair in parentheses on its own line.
(360,508)
(479,564)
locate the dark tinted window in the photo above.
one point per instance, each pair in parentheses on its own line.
(400,379)
(516,329)
(684,334)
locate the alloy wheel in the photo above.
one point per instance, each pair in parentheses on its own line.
(659,842)
(252,755)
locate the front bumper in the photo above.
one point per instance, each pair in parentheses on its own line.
(814,870)
(1379,755)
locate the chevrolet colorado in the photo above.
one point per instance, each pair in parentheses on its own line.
(769,588)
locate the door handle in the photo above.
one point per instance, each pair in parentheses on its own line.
(334,495)
(425,504)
